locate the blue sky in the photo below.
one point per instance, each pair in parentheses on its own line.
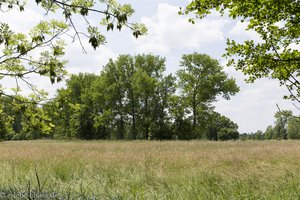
(170,36)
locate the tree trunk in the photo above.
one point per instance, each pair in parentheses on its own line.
(133,116)
(121,131)
(194,117)
(146,121)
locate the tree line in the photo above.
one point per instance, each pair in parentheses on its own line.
(132,98)
(286,126)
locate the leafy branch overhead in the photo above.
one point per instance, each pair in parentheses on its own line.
(114,15)
(16,58)
(19,61)
(40,52)
(277,54)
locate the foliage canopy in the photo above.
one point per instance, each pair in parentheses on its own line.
(277,54)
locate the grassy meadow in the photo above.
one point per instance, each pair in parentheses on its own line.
(150,170)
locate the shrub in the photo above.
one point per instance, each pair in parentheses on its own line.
(228,134)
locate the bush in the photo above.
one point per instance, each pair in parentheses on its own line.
(228,134)
(293,130)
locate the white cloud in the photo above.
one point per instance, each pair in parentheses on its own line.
(240,30)
(295,46)
(168,30)
(21,21)
(90,62)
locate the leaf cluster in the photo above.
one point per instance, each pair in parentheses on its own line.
(276,55)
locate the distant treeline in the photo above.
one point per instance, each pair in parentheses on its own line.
(286,126)
(132,98)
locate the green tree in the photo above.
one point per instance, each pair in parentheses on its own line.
(113,75)
(277,23)
(81,103)
(149,72)
(293,128)
(269,132)
(228,134)
(281,123)
(72,109)
(147,94)
(161,118)
(128,63)
(259,135)
(182,126)
(103,116)
(6,119)
(21,119)
(133,90)
(201,80)
(217,124)
(59,110)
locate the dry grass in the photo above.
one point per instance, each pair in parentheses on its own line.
(153,170)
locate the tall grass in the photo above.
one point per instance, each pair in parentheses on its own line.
(150,170)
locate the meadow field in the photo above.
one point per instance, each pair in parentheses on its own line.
(150,170)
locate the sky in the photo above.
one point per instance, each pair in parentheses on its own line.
(170,36)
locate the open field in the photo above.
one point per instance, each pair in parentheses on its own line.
(151,170)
